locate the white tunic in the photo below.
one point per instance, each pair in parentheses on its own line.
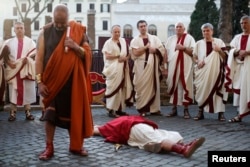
(142,134)
(29,92)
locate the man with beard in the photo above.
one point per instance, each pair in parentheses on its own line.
(62,72)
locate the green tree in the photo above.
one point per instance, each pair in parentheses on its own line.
(240,8)
(205,12)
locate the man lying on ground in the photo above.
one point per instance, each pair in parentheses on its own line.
(143,133)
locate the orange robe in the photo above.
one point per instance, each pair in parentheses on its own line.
(58,70)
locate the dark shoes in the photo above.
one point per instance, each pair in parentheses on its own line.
(199,116)
(186,114)
(221,116)
(29,116)
(116,114)
(235,119)
(158,113)
(12,116)
(173,113)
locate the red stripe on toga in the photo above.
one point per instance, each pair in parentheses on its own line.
(18,77)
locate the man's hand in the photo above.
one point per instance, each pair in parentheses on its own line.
(70,43)
(152,50)
(242,54)
(179,47)
(43,90)
(25,60)
(200,64)
(216,48)
(11,65)
(122,59)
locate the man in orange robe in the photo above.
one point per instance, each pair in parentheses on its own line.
(62,72)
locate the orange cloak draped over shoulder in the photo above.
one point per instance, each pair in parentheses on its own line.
(58,70)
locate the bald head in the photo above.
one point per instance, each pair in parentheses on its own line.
(61,15)
(179,29)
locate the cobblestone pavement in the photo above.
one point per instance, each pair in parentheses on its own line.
(22,141)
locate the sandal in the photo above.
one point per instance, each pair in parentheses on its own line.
(29,116)
(199,116)
(235,119)
(158,113)
(173,113)
(112,114)
(221,116)
(12,116)
(121,113)
(186,114)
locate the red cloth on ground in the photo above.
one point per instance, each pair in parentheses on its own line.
(118,130)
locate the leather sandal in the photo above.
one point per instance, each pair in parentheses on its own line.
(221,116)
(158,113)
(235,119)
(199,116)
(29,116)
(12,116)
(81,152)
(121,113)
(173,113)
(186,114)
(112,114)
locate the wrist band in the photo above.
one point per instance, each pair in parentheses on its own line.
(81,50)
(38,78)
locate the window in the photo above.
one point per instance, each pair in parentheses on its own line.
(127,31)
(14,11)
(152,29)
(49,7)
(105,7)
(78,7)
(91,6)
(36,25)
(36,7)
(171,30)
(105,25)
(23,7)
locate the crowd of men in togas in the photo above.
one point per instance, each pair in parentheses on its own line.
(60,63)
(216,69)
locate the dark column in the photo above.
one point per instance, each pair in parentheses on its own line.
(91,28)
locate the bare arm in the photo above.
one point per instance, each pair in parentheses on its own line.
(40,53)
(39,65)
(140,51)
(110,56)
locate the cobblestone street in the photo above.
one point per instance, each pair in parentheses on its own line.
(22,141)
